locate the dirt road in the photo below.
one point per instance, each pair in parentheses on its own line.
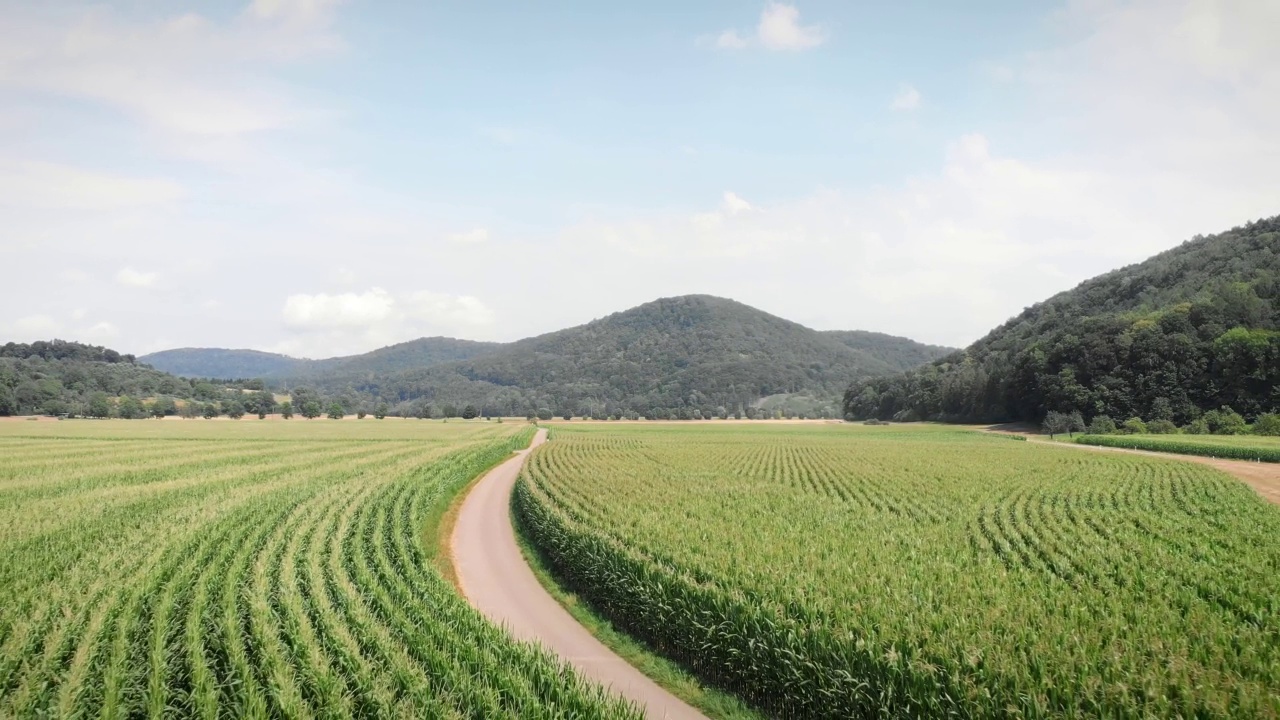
(495,579)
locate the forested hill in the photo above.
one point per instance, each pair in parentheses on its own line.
(64,377)
(898,352)
(671,356)
(222,363)
(225,363)
(1188,330)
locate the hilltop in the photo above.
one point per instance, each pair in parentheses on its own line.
(1188,330)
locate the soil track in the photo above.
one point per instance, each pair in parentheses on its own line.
(496,580)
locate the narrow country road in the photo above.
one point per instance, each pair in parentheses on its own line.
(496,580)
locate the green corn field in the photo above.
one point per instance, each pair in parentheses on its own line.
(1231,447)
(241,570)
(833,571)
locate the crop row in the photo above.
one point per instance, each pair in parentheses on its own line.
(847,572)
(1232,451)
(225,579)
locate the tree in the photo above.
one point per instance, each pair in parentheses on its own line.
(567,414)
(1102,425)
(263,402)
(422,410)
(360,414)
(1225,421)
(1134,426)
(1076,422)
(1162,427)
(99,405)
(469,412)
(335,411)
(1056,423)
(163,406)
(450,411)
(286,409)
(210,411)
(128,408)
(545,414)
(311,409)
(1267,424)
(233,409)
(381,411)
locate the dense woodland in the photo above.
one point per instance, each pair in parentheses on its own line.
(225,363)
(690,356)
(1190,330)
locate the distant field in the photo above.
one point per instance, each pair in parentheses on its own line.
(1237,447)
(849,571)
(251,569)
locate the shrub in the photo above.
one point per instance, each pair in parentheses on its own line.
(1225,421)
(1135,426)
(1102,425)
(1267,424)
(1199,426)
(1162,427)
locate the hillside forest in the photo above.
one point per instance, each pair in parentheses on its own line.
(1191,330)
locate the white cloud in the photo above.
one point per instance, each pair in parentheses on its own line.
(475,236)
(730,39)
(338,311)
(50,186)
(779,29)
(35,327)
(734,204)
(134,278)
(324,325)
(908,98)
(102,331)
(184,75)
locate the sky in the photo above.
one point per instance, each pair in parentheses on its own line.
(319,177)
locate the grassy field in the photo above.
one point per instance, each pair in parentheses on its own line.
(1236,447)
(252,569)
(845,571)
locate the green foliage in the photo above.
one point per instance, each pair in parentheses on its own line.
(842,571)
(1162,427)
(381,412)
(336,411)
(311,409)
(286,409)
(1204,447)
(1225,421)
(210,411)
(129,408)
(1267,424)
(1191,328)
(233,409)
(1134,426)
(469,412)
(100,405)
(1102,425)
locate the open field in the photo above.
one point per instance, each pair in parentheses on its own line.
(1236,447)
(201,569)
(837,571)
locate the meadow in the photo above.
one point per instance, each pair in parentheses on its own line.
(253,569)
(847,571)
(1234,447)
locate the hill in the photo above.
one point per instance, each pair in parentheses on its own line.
(221,363)
(673,355)
(898,352)
(225,363)
(1188,330)
(58,377)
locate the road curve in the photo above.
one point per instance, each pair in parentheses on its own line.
(496,580)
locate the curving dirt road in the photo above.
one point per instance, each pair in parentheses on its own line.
(496,581)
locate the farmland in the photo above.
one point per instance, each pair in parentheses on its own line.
(1235,447)
(838,571)
(223,569)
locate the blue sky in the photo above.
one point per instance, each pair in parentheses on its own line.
(322,177)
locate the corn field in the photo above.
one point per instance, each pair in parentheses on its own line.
(231,570)
(1230,447)
(843,571)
